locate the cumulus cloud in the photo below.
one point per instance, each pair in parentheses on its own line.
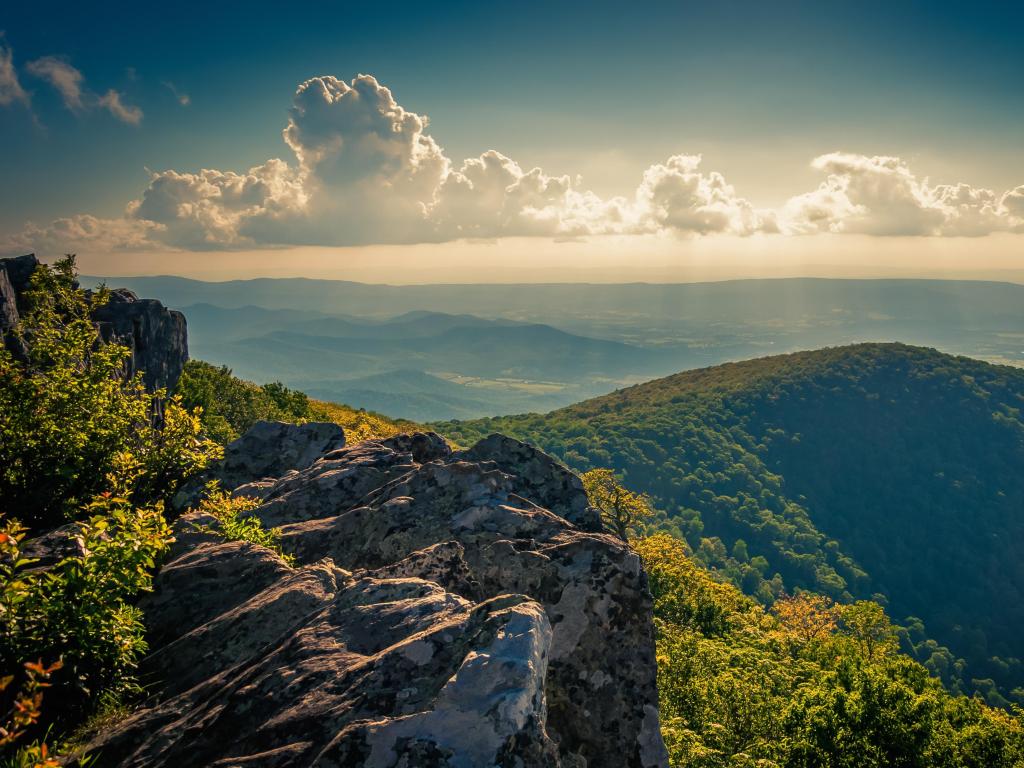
(64,78)
(677,196)
(111,101)
(11,91)
(491,195)
(1013,204)
(212,209)
(364,169)
(881,196)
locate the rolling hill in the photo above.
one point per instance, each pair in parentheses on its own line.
(873,470)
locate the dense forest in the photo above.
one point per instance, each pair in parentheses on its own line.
(809,683)
(876,471)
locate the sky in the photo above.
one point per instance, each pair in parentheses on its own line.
(413,142)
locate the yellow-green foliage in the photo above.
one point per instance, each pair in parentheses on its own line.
(813,684)
(231,405)
(69,417)
(360,424)
(621,509)
(79,440)
(231,525)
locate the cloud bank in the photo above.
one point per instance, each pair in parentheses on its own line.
(364,170)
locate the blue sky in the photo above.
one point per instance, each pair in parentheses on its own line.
(600,91)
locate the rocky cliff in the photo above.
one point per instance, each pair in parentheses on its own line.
(457,609)
(155,335)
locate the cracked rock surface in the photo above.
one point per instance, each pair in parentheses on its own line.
(446,609)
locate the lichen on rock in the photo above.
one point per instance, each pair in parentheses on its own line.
(446,609)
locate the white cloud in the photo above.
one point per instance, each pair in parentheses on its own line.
(882,196)
(111,100)
(215,209)
(676,196)
(63,77)
(11,91)
(365,170)
(1013,205)
(491,196)
(68,235)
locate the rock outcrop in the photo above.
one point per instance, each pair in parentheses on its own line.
(15,274)
(445,609)
(267,451)
(156,336)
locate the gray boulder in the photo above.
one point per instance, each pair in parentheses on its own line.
(15,274)
(437,616)
(539,477)
(267,451)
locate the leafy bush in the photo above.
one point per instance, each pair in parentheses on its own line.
(69,417)
(231,405)
(26,700)
(79,611)
(228,511)
(621,509)
(79,440)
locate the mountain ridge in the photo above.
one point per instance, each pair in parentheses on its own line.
(828,470)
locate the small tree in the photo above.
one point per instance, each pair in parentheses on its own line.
(807,616)
(621,509)
(865,621)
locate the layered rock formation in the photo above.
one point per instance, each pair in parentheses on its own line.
(156,336)
(446,609)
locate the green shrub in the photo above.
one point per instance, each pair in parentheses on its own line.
(231,405)
(69,417)
(232,526)
(79,440)
(80,611)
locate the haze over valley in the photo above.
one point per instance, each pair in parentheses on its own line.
(459,351)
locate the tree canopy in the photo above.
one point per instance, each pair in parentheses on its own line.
(874,471)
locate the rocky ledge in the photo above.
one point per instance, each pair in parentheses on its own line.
(156,336)
(446,608)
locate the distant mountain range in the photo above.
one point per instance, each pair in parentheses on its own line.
(512,348)
(871,470)
(486,365)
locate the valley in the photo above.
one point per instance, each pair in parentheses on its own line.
(430,352)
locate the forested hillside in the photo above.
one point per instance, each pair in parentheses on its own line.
(874,470)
